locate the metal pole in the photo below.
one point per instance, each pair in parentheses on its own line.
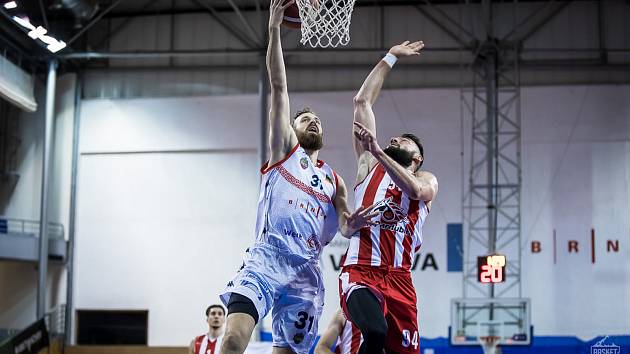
(46,168)
(73,207)
(491,134)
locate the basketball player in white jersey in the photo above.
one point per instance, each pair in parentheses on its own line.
(342,334)
(301,206)
(375,285)
(210,342)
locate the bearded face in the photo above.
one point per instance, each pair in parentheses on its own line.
(400,155)
(308,129)
(310,140)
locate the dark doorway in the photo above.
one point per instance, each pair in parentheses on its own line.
(100,327)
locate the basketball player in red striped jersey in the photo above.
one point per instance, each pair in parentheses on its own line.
(376,290)
(342,334)
(210,342)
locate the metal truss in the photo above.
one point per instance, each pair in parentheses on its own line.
(491,205)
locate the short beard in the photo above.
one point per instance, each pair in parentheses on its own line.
(403,157)
(309,140)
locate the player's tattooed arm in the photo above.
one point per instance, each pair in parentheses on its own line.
(349,223)
(329,337)
(421,185)
(371,88)
(281,135)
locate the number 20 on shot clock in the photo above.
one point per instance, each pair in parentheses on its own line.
(491,269)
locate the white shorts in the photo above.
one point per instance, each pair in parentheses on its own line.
(294,289)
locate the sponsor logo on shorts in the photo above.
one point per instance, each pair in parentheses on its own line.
(251,286)
(602,348)
(298,338)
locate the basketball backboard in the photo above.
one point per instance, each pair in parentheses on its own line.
(473,318)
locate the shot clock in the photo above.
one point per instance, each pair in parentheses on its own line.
(491,269)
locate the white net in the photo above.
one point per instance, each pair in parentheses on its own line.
(490,336)
(325,23)
(490,344)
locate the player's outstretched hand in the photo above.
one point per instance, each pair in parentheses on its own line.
(276,11)
(361,218)
(406,49)
(366,137)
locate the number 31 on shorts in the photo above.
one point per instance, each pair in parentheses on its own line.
(408,340)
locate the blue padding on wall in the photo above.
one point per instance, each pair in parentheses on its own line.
(540,345)
(454,248)
(265,336)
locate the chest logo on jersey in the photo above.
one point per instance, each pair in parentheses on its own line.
(391,213)
(304,163)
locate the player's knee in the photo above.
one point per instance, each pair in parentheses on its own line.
(233,342)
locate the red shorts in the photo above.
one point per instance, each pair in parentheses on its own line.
(394,289)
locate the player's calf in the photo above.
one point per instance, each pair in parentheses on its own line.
(237,333)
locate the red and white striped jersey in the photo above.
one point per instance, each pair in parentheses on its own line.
(205,345)
(295,208)
(349,340)
(398,233)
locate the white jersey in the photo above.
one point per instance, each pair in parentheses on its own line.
(295,208)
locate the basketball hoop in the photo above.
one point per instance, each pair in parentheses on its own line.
(489,344)
(325,23)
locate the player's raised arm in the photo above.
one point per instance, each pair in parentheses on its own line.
(281,135)
(372,85)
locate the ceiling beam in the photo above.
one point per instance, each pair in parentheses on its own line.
(228,52)
(252,33)
(441,26)
(42,10)
(535,65)
(214,13)
(93,22)
(540,24)
(358,4)
(123,24)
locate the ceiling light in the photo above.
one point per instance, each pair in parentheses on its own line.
(39,33)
